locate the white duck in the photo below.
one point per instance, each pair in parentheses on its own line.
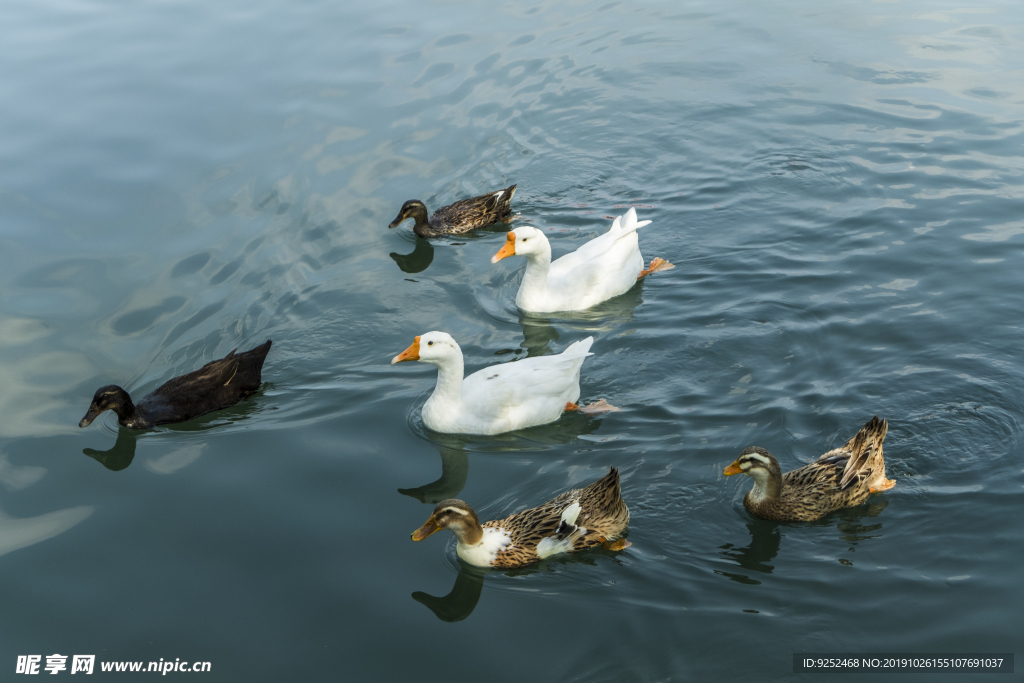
(500,398)
(604,267)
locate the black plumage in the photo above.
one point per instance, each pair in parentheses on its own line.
(218,384)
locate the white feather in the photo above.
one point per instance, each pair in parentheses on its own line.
(483,553)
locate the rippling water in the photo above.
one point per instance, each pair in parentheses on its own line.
(840,187)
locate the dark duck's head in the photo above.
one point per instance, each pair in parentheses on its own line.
(110,397)
(414,209)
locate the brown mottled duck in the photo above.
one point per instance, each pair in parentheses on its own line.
(841,478)
(574,521)
(218,384)
(460,217)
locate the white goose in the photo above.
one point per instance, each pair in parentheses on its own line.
(604,267)
(500,398)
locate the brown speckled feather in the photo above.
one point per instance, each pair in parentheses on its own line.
(602,512)
(476,212)
(839,478)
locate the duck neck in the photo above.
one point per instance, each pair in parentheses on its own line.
(125,410)
(422,225)
(449,381)
(535,279)
(767,485)
(470,534)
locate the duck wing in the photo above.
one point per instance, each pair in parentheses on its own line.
(620,241)
(540,379)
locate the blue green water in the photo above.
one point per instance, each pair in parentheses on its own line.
(839,185)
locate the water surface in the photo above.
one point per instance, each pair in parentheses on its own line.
(840,190)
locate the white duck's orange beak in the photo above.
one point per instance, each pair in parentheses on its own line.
(411,353)
(508,250)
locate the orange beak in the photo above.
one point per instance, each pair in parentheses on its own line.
(411,353)
(429,527)
(732,469)
(508,250)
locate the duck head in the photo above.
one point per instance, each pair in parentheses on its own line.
(455,515)
(414,209)
(524,241)
(432,347)
(762,467)
(110,397)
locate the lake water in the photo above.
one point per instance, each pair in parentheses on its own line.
(840,186)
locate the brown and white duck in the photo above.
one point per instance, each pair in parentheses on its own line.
(218,384)
(574,521)
(841,478)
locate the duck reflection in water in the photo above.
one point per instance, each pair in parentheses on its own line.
(465,594)
(766,538)
(121,455)
(461,600)
(539,332)
(455,448)
(418,259)
(454,472)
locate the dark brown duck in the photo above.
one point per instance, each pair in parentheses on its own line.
(218,384)
(460,217)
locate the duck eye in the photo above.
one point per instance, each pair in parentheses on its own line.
(524,239)
(430,343)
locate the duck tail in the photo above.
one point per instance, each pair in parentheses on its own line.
(580,348)
(252,360)
(865,447)
(627,223)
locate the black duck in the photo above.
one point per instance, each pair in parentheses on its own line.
(218,384)
(460,217)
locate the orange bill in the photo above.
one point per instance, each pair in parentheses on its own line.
(508,250)
(732,469)
(411,353)
(429,527)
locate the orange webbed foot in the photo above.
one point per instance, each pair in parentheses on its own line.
(598,407)
(885,486)
(657,264)
(570,407)
(616,546)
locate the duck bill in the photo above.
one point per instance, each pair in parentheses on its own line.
(429,527)
(89,417)
(732,469)
(411,353)
(508,250)
(395,223)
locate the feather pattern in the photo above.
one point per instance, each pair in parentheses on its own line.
(573,521)
(842,477)
(462,216)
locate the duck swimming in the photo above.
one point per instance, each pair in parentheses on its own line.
(500,398)
(218,384)
(460,217)
(604,267)
(841,478)
(574,521)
